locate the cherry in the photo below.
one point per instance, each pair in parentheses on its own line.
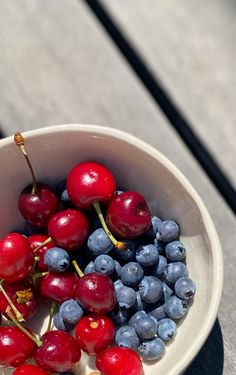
(68,229)
(94,333)
(29,370)
(59,352)
(96,293)
(23,296)
(37,202)
(16,257)
(58,287)
(128,215)
(119,361)
(15,347)
(35,241)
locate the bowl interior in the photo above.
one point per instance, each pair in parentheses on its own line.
(54,151)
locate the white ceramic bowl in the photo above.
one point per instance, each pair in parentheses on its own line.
(138,166)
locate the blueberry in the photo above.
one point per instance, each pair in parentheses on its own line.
(166,329)
(118,268)
(139,303)
(57,259)
(185,288)
(126,297)
(167,291)
(117,285)
(155,224)
(89,268)
(131,274)
(136,317)
(129,253)
(71,312)
(146,327)
(60,324)
(159,268)
(120,316)
(147,255)
(62,192)
(152,349)
(99,243)
(158,313)
(126,337)
(150,289)
(175,271)
(175,251)
(160,246)
(104,264)
(175,308)
(168,231)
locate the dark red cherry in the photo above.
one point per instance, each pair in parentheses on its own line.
(59,352)
(68,229)
(29,370)
(89,182)
(128,215)
(16,257)
(58,287)
(15,347)
(35,241)
(38,207)
(95,292)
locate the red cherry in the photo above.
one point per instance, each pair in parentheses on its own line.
(69,229)
(58,287)
(35,241)
(128,215)
(119,361)
(16,257)
(29,370)
(89,182)
(94,333)
(59,352)
(38,207)
(95,292)
(23,296)
(15,347)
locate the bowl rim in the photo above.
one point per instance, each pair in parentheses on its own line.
(217,263)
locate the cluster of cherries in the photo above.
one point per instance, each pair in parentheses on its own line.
(25,277)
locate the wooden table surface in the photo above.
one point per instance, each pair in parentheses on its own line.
(59,65)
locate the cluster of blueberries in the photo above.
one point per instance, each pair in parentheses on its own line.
(151,283)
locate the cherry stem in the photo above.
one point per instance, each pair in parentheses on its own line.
(77,268)
(48,240)
(27,333)
(19,316)
(118,244)
(52,309)
(19,140)
(36,275)
(36,260)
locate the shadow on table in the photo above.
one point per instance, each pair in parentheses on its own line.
(210,359)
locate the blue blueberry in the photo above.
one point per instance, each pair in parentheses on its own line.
(62,192)
(118,268)
(168,231)
(158,313)
(166,329)
(152,349)
(57,259)
(126,297)
(129,253)
(175,251)
(126,337)
(146,327)
(175,308)
(175,271)
(160,246)
(104,264)
(60,324)
(89,268)
(167,291)
(155,224)
(147,255)
(71,312)
(131,274)
(185,288)
(99,243)
(117,285)
(150,289)
(120,316)
(139,303)
(136,317)
(159,268)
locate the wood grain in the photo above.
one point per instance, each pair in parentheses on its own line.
(59,66)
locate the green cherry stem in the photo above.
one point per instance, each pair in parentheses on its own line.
(48,240)
(77,268)
(52,309)
(37,275)
(19,316)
